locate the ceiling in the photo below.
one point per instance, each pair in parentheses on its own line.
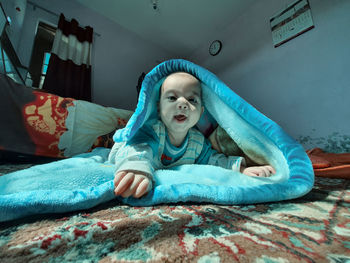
(179,26)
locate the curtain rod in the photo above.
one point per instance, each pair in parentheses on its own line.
(52,13)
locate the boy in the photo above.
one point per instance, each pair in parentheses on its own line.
(171,141)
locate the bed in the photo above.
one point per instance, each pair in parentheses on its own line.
(312,228)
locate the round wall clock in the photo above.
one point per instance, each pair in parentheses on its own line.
(215,47)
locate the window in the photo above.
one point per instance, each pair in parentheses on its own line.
(41,53)
(44,68)
(6,66)
(9,62)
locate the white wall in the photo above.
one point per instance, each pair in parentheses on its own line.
(119,56)
(303,85)
(16,16)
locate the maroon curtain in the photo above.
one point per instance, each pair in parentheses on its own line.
(69,69)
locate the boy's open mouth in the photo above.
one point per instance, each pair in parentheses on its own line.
(180,117)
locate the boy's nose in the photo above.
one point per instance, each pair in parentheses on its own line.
(183,103)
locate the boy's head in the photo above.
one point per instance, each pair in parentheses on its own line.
(180,105)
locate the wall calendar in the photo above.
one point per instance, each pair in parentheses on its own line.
(291,22)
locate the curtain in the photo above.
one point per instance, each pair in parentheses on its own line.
(69,69)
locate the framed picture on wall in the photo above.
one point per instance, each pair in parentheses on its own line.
(291,22)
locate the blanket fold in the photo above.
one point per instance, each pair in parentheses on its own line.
(86,180)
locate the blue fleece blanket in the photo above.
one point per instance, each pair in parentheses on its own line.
(86,180)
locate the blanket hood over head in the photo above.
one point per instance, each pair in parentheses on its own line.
(86,180)
(261,139)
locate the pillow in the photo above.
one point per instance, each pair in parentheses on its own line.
(43,124)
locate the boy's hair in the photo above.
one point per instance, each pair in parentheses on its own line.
(161,87)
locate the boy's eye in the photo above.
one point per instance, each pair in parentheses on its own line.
(193,100)
(172,98)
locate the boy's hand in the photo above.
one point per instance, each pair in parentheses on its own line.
(129,183)
(261,171)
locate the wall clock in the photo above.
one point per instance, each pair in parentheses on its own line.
(215,47)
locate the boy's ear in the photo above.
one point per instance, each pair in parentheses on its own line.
(202,110)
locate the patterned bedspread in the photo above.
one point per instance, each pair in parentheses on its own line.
(314,228)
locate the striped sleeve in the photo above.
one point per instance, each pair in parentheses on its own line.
(212,157)
(136,155)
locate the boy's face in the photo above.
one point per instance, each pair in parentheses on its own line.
(180,105)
